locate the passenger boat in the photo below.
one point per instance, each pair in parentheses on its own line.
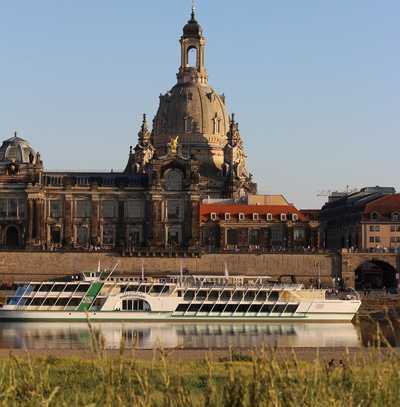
(99,296)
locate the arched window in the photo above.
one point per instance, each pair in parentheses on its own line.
(173,180)
(396,216)
(192,57)
(374,215)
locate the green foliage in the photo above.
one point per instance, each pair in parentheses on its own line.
(265,378)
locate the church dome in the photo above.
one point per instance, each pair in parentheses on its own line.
(17,150)
(195,113)
(192,110)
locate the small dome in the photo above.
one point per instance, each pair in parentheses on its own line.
(17,150)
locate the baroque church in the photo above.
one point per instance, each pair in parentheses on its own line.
(194,151)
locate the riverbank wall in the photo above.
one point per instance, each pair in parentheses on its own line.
(306,268)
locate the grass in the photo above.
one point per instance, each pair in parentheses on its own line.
(263,379)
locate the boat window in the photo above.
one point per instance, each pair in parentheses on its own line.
(70,288)
(50,301)
(255,308)
(261,296)
(238,296)
(132,288)
(249,296)
(189,295)
(182,307)
(157,289)
(62,302)
(267,308)
(226,295)
(194,307)
(82,288)
(243,308)
(213,295)
(291,308)
(279,308)
(201,295)
(135,305)
(58,287)
(273,296)
(45,287)
(74,302)
(28,301)
(230,307)
(218,307)
(37,301)
(206,308)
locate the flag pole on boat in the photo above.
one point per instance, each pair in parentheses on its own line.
(181,271)
(226,272)
(142,270)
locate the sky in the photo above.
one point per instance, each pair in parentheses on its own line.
(314,84)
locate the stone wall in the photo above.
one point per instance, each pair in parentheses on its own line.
(41,266)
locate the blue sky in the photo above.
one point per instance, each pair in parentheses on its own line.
(314,84)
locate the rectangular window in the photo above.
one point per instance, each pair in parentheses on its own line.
(241,216)
(12,208)
(108,235)
(55,210)
(83,208)
(254,237)
(276,235)
(372,239)
(173,210)
(82,235)
(299,234)
(109,209)
(269,216)
(213,216)
(134,209)
(3,208)
(283,217)
(55,234)
(232,237)
(21,208)
(255,216)
(393,228)
(227,216)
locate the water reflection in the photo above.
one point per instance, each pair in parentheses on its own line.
(76,335)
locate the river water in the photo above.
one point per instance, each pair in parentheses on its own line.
(78,335)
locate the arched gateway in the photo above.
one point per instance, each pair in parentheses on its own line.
(375,274)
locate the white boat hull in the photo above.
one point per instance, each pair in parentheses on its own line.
(15,315)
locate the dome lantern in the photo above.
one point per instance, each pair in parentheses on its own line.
(17,150)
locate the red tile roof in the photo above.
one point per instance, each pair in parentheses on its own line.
(385,205)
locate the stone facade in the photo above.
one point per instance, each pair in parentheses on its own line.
(194,151)
(346,221)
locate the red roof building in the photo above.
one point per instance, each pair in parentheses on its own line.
(243,227)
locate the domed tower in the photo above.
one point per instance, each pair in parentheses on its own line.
(192,110)
(17,156)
